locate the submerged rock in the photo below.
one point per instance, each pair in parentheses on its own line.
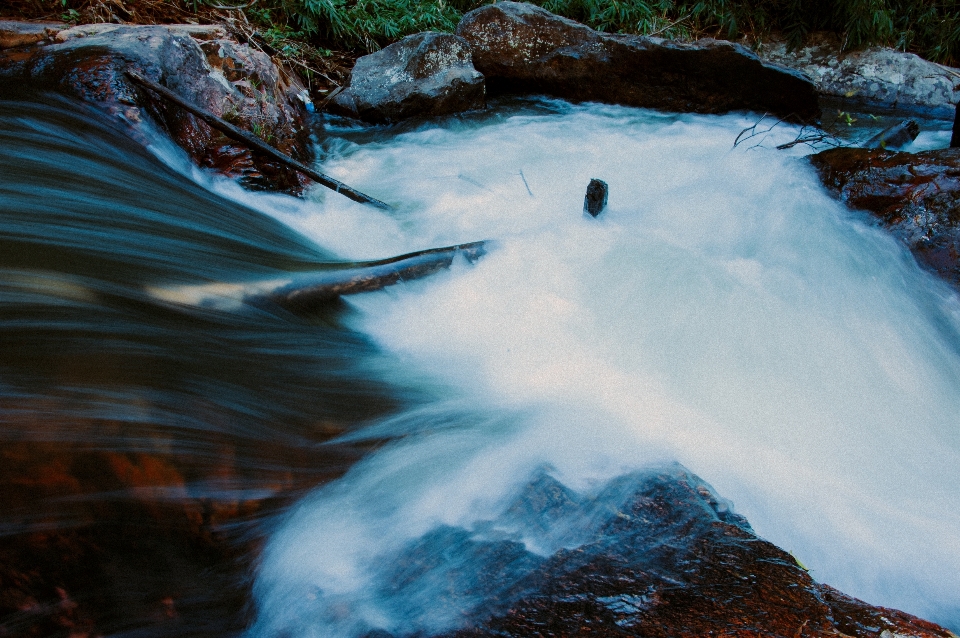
(231,80)
(914,195)
(595,200)
(876,78)
(654,553)
(521,48)
(423,74)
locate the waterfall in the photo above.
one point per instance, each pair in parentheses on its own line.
(724,313)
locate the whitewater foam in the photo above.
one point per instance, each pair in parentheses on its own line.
(724,312)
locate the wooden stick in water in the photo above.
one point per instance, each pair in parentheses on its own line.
(308,290)
(256,144)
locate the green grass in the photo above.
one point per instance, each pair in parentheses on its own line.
(928,27)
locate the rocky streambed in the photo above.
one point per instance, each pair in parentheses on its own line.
(669,558)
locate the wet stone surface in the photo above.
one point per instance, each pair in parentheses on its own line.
(916,196)
(655,553)
(202,65)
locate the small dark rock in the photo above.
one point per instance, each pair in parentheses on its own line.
(423,74)
(521,48)
(596,198)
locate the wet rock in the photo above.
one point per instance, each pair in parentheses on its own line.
(423,74)
(914,195)
(872,79)
(596,198)
(17,34)
(955,137)
(653,553)
(232,80)
(521,48)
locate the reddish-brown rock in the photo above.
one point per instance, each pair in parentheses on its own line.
(522,48)
(655,554)
(914,195)
(231,80)
(18,34)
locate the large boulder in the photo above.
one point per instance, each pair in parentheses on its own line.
(202,65)
(914,195)
(423,74)
(655,553)
(873,79)
(522,48)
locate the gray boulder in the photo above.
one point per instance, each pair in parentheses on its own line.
(202,65)
(521,48)
(423,74)
(875,78)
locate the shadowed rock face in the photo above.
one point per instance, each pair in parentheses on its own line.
(423,74)
(914,195)
(522,48)
(231,80)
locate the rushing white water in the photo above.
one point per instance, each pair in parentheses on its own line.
(724,312)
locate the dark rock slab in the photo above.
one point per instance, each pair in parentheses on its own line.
(423,74)
(231,80)
(654,553)
(914,195)
(521,48)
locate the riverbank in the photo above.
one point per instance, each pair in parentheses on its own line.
(222,496)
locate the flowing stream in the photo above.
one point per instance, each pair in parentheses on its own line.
(724,313)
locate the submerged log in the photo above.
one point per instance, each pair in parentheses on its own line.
(895,136)
(306,292)
(256,144)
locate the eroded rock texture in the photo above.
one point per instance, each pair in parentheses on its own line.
(201,64)
(522,48)
(655,553)
(914,195)
(423,74)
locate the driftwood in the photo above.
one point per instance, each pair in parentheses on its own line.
(307,291)
(256,144)
(304,292)
(898,135)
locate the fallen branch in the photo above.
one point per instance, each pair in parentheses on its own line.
(304,292)
(256,144)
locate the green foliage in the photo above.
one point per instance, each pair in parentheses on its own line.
(928,27)
(356,24)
